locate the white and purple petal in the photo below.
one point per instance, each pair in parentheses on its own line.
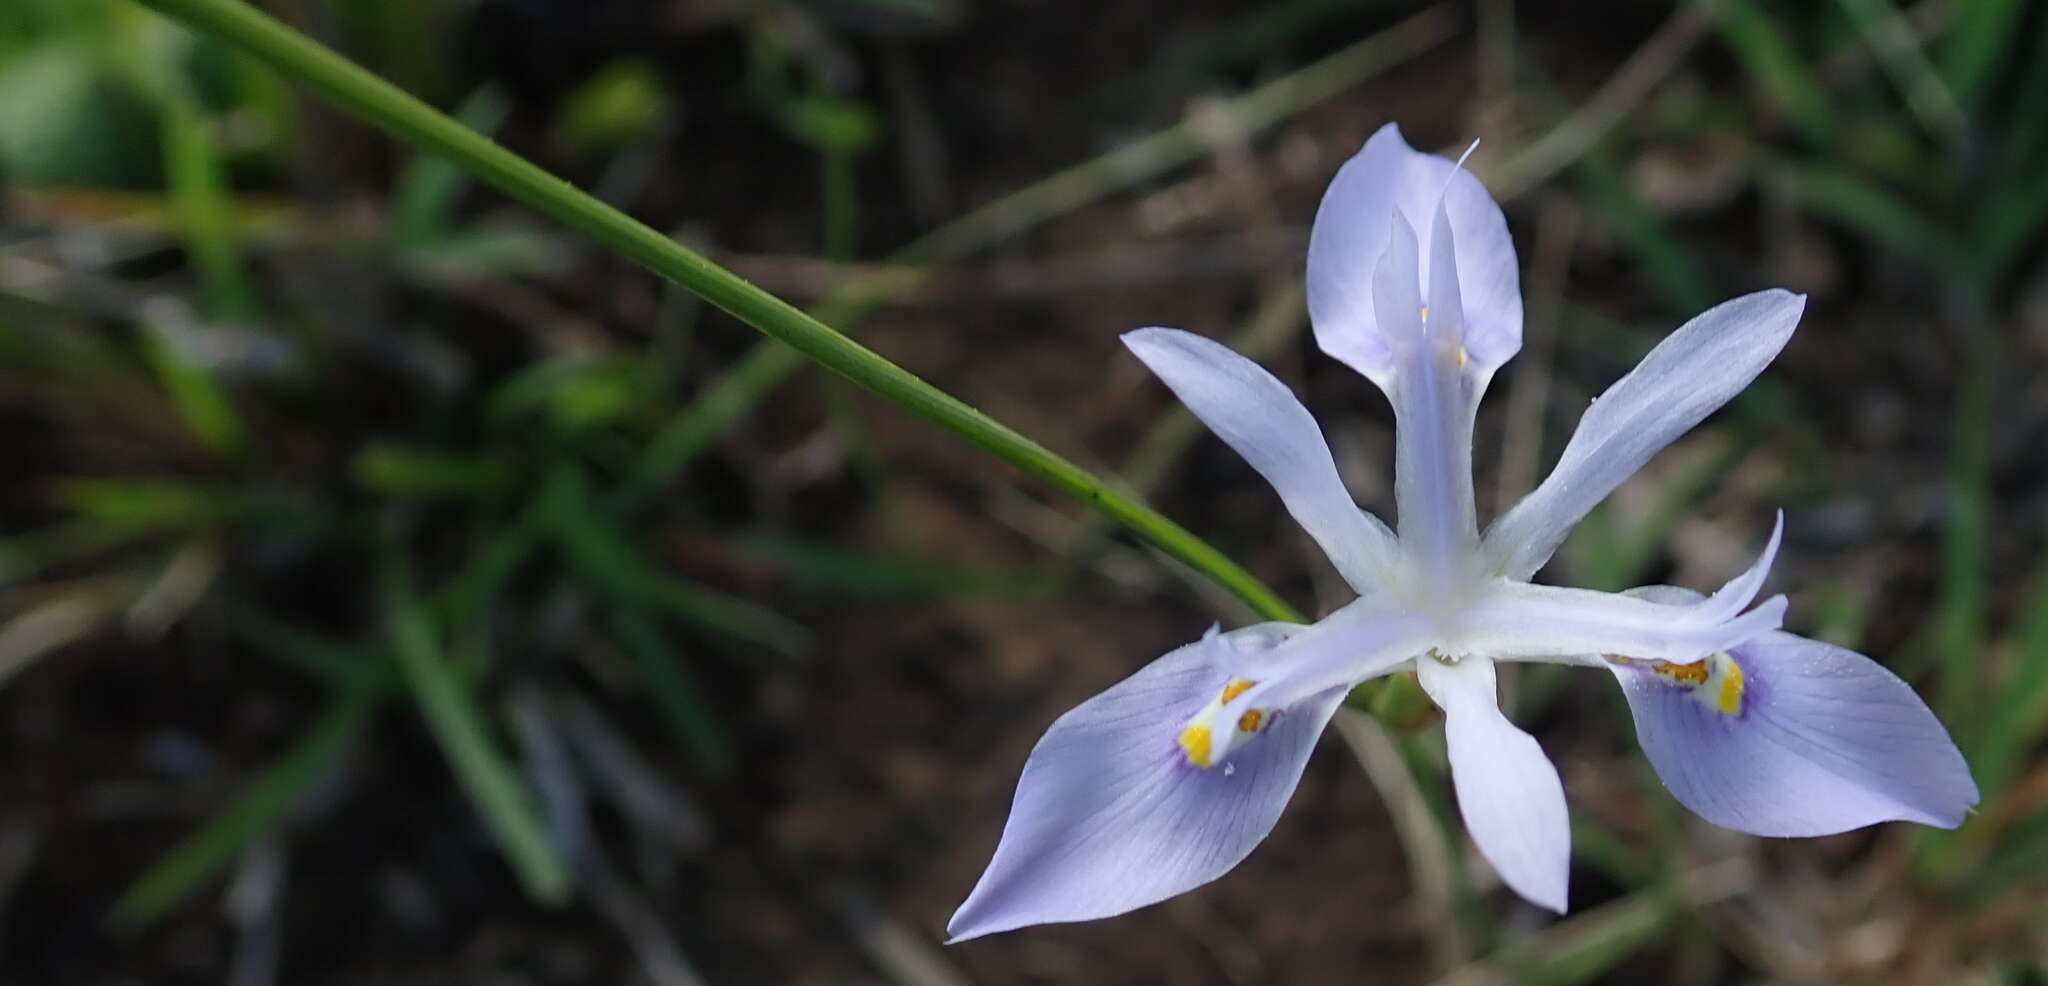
(1522,621)
(1434,396)
(1508,791)
(1794,737)
(1255,414)
(1686,377)
(1363,639)
(1111,815)
(1350,233)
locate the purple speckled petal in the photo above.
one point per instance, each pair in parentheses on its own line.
(1350,233)
(1821,740)
(1110,815)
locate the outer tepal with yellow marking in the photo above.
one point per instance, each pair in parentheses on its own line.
(1714,681)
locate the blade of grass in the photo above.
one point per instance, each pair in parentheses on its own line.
(1869,209)
(840,131)
(1841,612)
(504,804)
(2011,219)
(1983,36)
(2026,125)
(1426,842)
(1963,597)
(133,508)
(1429,766)
(341,664)
(199,398)
(674,689)
(844,572)
(1140,160)
(153,505)
(603,554)
(1616,856)
(27,555)
(363,676)
(1775,67)
(1592,119)
(1581,948)
(462,598)
(384,105)
(720,405)
(196,183)
(201,401)
(260,807)
(1680,281)
(1248,37)
(1277,320)
(404,472)
(2019,710)
(1899,54)
(2018,858)
(1620,555)
(457,603)
(424,197)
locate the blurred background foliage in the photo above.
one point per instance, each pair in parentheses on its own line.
(395,588)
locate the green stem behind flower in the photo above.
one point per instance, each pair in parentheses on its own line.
(405,117)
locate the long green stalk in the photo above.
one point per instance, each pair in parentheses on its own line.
(405,117)
(726,400)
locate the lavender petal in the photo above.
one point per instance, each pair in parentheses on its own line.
(1520,621)
(1255,414)
(1508,791)
(1811,739)
(1350,233)
(1110,815)
(1686,377)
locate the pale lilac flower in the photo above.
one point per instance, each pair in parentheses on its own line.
(1168,779)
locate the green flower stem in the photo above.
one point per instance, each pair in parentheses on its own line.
(405,117)
(749,380)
